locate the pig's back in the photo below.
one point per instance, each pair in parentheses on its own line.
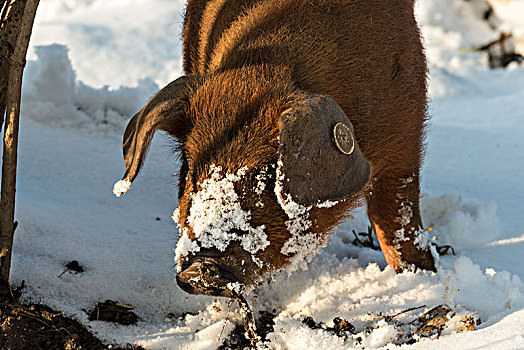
(367,55)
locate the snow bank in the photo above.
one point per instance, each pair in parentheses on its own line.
(115,43)
(454,30)
(52,95)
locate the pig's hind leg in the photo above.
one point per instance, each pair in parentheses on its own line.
(393,209)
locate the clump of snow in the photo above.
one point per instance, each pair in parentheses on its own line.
(459,223)
(400,236)
(176,216)
(422,239)
(212,337)
(216,214)
(489,292)
(327,204)
(235,287)
(262,179)
(406,213)
(184,247)
(293,210)
(382,334)
(121,187)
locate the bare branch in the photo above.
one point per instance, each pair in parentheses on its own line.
(18,23)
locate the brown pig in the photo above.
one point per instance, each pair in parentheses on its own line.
(291,114)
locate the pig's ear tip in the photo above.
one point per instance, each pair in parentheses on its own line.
(121,187)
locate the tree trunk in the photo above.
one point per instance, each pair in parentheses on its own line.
(18,24)
(10,22)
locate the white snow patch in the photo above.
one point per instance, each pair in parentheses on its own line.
(121,187)
(293,335)
(382,335)
(208,338)
(302,245)
(460,223)
(216,213)
(52,95)
(327,204)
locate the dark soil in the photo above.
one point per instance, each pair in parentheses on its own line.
(40,327)
(72,266)
(113,311)
(33,326)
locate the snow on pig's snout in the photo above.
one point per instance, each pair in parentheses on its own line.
(218,245)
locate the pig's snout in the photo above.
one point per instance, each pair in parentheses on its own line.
(205,275)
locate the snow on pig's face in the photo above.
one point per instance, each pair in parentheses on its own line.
(228,222)
(267,171)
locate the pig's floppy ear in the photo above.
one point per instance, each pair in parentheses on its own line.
(164,111)
(320,157)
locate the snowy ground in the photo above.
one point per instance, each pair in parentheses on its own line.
(74,111)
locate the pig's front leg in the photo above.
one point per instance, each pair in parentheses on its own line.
(393,209)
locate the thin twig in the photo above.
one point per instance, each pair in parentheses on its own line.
(249,323)
(389,318)
(229,303)
(63,273)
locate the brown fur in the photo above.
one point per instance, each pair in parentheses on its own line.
(234,117)
(367,55)
(248,62)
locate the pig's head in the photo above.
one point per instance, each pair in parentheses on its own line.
(267,171)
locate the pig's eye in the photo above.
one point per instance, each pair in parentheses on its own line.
(183,173)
